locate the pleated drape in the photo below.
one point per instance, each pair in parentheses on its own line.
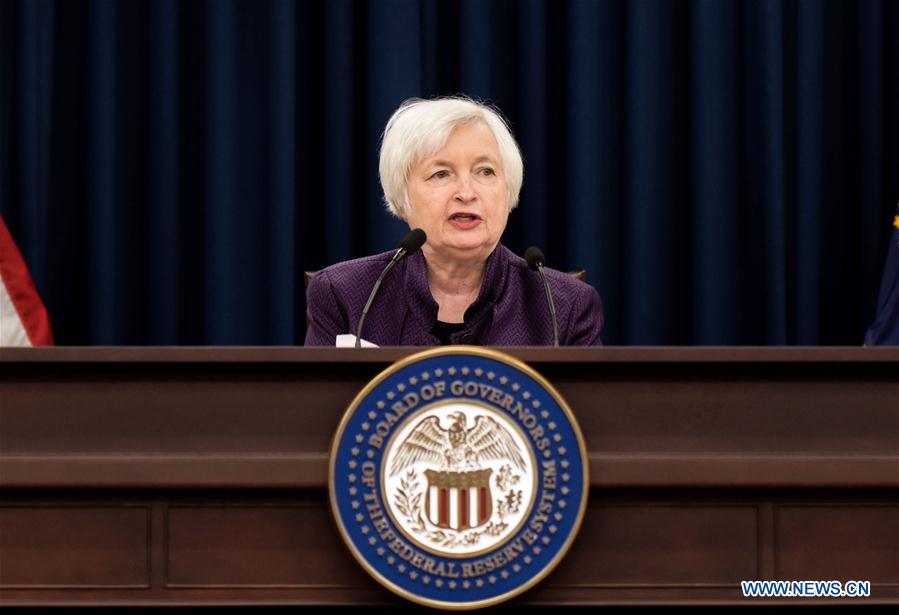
(726,171)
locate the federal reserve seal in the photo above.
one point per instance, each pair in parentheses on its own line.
(458,477)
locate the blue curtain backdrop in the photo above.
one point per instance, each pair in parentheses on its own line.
(726,171)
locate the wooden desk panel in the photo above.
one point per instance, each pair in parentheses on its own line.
(198,475)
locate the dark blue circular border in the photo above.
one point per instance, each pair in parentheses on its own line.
(352,450)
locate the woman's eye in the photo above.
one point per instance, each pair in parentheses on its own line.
(487,171)
(440,174)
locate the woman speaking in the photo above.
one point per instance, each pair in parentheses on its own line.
(450,167)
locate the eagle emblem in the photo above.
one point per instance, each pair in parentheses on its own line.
(459,447)
(458,493)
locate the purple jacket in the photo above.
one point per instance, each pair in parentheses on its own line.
(510,310)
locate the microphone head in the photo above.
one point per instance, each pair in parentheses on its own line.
(413,241)
(534,256)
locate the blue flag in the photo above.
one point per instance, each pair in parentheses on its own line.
(885,328)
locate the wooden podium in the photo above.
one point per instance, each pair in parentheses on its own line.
(198,475)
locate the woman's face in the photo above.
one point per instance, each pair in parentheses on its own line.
(459,196)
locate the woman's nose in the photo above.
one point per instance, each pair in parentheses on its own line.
(465,191)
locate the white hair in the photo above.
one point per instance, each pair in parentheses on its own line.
(420,128)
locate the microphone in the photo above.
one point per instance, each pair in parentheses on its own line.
(410,244)
(536,261)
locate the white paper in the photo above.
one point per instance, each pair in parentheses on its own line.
(348,340)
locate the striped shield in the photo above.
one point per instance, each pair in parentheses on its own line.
(458,500)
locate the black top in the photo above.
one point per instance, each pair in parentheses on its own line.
(443,331)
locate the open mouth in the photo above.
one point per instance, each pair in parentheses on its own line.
(464,217)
